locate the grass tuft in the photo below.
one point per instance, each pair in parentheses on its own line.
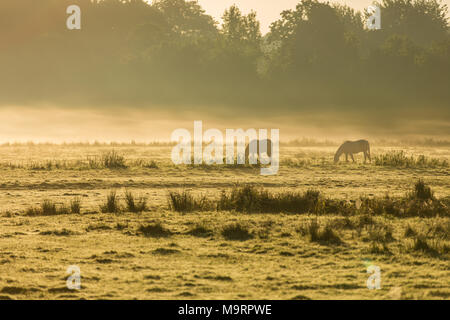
(155,230)
(113,160)
(250,199)
(112,203)
(186,202)
(236,232)
(200,231)
(50,208)
(134,205)
(322,235)
(75,205)
(422,191)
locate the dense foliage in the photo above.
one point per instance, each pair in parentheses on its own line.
(130,52)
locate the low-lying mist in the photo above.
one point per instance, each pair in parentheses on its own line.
(156,123)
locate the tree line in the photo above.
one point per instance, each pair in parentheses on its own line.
(130,52)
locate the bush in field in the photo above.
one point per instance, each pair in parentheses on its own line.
(112,203)
(186,202)
(113,160)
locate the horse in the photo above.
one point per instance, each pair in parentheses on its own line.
(352,147)
(266,146)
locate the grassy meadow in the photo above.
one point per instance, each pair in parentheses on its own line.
(140,227)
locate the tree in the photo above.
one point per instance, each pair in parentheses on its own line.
(422,21)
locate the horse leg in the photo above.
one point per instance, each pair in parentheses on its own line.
(365,157)
(351,155)
(346,157)
(247,154)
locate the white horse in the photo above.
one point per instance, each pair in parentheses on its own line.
(351,148)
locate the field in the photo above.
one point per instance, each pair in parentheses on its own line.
(159,252)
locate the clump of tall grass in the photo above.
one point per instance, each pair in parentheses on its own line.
(419,202)
(151,165)
(439,228)
(113,160)
(379,248)
(434,248)
(75,205)
(155,230)
(421,191)
(250,199)
(200,231)
(321,234)
(135,205)
(380,233)
(185,202)
(400,159)
(112,203)
(409,232)
(50,208)
(237,232)
(294,163)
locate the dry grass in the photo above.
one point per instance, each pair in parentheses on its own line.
(245,237)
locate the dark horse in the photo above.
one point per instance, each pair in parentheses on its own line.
(253,148)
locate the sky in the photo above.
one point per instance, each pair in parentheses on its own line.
(269,11)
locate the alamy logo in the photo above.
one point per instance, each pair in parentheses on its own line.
(374,280)
(74,280)
(374,20)
(74,20)
(259,148)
